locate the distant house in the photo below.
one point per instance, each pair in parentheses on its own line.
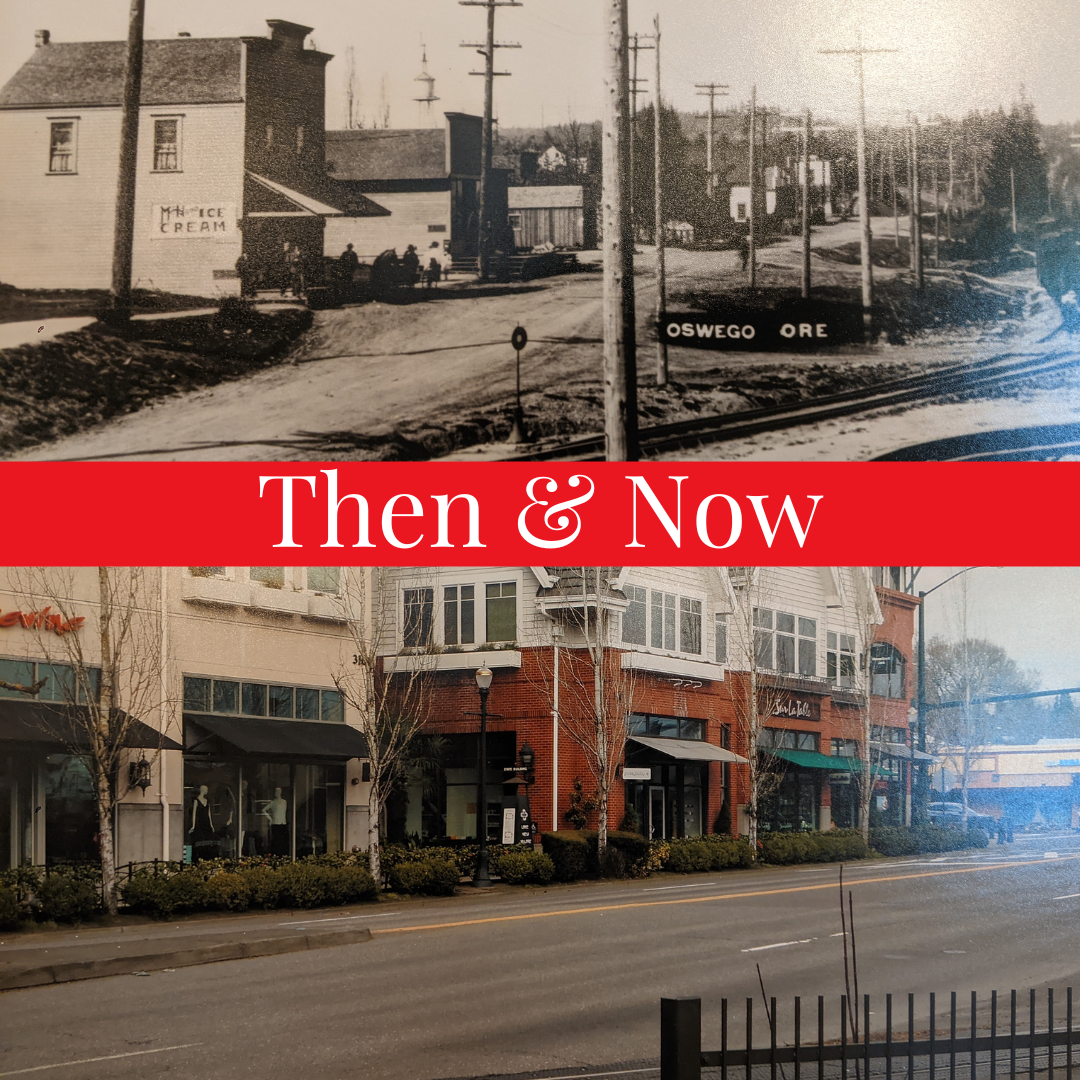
(425,185)
(547,215)
(230,159)
(783,191)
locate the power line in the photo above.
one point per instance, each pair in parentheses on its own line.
(712,91)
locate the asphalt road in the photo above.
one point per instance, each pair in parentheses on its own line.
(564,979)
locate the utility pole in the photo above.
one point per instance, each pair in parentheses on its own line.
(1012,196)
(620,341)
(751,264)
(937,224)
(712,91)
(124,228)
(895,204)
(860,153)
(635,89)
(486,49)
(806,209)
(661,281)
(949,202)
(916,207)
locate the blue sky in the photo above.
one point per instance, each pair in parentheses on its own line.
(951,56)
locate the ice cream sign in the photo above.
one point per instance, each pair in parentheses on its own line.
(189,221)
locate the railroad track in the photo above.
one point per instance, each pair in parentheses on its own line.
(1050,442)
(997,372)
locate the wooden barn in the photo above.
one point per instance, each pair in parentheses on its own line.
(547,215)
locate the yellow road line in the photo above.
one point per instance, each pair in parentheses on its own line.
(706,899)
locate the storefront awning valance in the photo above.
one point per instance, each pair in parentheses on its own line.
(60,727)
(292,738)
(687,749)
(900,752)
(811,759)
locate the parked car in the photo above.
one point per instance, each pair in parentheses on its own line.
(952,813)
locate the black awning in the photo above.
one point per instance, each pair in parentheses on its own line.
(62,727)
(288,738)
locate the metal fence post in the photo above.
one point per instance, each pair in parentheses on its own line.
(680,1038)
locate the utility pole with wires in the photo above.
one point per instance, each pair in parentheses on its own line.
(895,203)
(620,335)
(712,91)
(636,88)
(915,204)
(751,261)
(487,50)
(119,308)
(859,52)
(661,281)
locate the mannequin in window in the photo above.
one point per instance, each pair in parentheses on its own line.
(277,812)
(201,828)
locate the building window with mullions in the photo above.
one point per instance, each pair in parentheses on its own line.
(167,144)
(62,145)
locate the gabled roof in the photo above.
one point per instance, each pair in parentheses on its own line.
(407,154)
(177,71)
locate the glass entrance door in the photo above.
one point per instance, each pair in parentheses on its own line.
(656,813)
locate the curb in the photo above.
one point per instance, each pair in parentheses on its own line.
(15,978)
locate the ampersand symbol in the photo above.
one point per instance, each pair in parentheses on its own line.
(564,520)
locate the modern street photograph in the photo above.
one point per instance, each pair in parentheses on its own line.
(538,822)
(493,230)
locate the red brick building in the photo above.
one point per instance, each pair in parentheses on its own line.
(681,646)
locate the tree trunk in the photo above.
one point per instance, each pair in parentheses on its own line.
(602,734)
(108,852)
(103,745)
(752,754)
(374,818)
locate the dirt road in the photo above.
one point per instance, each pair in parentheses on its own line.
(436,376)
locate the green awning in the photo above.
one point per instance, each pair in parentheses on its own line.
(811,759)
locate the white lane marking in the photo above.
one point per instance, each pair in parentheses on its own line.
(840,934)
(955,952)
(780,945)
(1071,896)
(666,888)
(107,1057)
(338,918)
(817,870)
(591,1076)
(1051,855)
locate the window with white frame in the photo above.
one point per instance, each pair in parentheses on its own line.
(418,617)
(886,670)
(663,620)
(784,642)
(459,614)
(272,576)
(324,579)
(840,666)
(720,637)
(62,146)
(847,748)
(167,144)
(500,601)
(636,617)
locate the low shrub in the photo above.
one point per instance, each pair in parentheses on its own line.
(227,892)
(612,862)
(429,877)
(707,853)
(524,867)
(264,886)
(836,845)
(149,895)
(463,856)
(9,908)
(569,852)
(633,847)
(925,839)
(67,898)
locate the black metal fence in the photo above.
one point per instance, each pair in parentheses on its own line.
(967,1040)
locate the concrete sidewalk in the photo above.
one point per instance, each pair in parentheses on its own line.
(45,958)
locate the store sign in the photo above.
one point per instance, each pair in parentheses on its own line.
(839,778)
(186,221)
(636,774)
(793,707)
(508,825)
(41,620)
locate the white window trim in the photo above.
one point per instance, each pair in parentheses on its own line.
(819,638)
(463,577)
(179,118)
(708,643)
(74,120)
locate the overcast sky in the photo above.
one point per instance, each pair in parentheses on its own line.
(953,55)
(1031,612)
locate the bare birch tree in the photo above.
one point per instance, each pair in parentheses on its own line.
(596,692)
(754,687)
(107,695)
(392,706)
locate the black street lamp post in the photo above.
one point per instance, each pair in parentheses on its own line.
(481,877)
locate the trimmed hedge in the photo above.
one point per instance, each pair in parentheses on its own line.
(60,894)
(524,867)
(307,883)
(9,908)
(569,852)
(707,853)
(429,877)
(926,839)
(837,845)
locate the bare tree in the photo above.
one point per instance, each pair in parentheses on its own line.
(596,693)
(353,117)
(392,706)
(756,690)
(106,694)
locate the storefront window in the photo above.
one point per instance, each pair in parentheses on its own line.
(793,806)
(211,810)
(268,809)
(261,699)
(16,810)
(71,818)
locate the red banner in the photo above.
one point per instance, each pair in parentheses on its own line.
(312,513)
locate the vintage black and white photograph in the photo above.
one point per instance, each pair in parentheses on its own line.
(493,229)
(539,822)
